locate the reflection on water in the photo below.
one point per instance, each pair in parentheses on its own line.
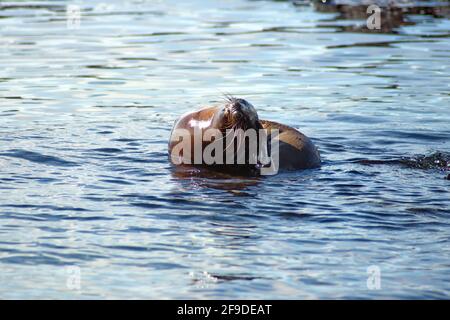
(86,112)
(204,178)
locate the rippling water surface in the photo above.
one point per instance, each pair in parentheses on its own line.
(86,188)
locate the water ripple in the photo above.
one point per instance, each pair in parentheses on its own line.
(38,158)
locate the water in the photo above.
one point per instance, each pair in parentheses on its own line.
(86,188)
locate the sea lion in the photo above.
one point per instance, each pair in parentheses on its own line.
(230,129)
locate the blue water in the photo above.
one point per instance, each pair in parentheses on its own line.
(86,188)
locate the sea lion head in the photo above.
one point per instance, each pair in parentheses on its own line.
(238,113)
(235,119)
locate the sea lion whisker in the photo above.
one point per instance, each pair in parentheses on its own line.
(231,143)
(226,97)
(224,136)
(229,97)
(233,130)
